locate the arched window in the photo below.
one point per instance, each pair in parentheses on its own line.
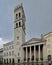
(13,60)
(16,16)
(19,14)
(16,25)
(18,60)
(7,60)
(18,54)
(19,24)
(10,60)
(49,57)
(17,37)
(4,61)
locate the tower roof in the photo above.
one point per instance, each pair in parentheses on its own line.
(20,6)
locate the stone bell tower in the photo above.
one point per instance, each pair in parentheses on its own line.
(19,32)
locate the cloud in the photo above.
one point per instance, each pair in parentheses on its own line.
(2,42)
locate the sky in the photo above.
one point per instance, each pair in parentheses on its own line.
(38,18)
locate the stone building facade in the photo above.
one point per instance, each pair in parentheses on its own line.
(36,49)
(8,52)
(1,55)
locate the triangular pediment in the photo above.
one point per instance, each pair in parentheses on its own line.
(33,40)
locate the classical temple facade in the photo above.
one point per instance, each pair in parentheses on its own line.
(38,49)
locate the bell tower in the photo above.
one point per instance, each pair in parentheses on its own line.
(19,31)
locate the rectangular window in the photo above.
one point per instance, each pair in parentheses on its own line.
(4,54)
(18,54)
(19,24)
(12,52)
(9,47)
(7,53)
(19,14)
(12,46)
(16,16)
(17,37)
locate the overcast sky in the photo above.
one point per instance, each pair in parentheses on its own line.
(38,18)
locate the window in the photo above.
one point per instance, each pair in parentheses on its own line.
(16,25)
(4,60)
(49,57)
(9,47)
(12,46)
(12,52)
(7,53)
(19,24)
(16,16)
(4,54)
(13,60)
(17,37)
(10,60)
(19,14)
(18,60)
(18,54)
(7,60)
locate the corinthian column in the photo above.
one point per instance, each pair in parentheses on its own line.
(26,54)
(30,53)
(34,53)
(39,53)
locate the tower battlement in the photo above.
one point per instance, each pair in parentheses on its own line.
(17,7)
